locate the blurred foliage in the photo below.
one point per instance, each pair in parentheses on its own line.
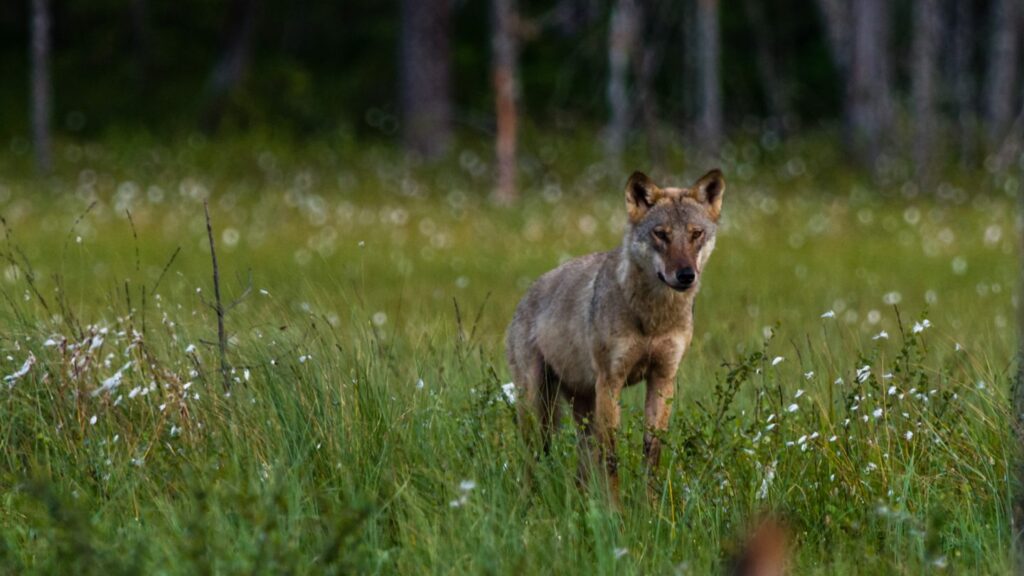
(321,66)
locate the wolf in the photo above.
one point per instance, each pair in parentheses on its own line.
(604,321)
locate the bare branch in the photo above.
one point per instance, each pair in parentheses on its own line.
(222,337)
(244,295)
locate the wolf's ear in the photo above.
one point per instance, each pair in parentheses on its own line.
(708,191)
(641,194)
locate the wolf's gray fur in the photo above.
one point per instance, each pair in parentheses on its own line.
(604,321)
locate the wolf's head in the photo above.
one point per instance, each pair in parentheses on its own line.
(671,231)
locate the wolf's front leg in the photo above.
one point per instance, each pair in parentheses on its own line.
(606,423)
(661,388)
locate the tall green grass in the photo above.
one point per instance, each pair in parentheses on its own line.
(365,428)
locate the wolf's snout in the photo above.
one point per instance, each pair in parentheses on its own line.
(686,276)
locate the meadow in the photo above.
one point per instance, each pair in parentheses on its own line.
(850,368)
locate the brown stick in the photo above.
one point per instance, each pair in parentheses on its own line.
(218,306)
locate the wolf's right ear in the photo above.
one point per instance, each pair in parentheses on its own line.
(641,194)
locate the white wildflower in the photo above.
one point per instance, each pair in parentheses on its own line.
(877,413)
(863,372)
(766,482)
(509,390)
(883,335)
(620,552)
(113,382)
(466,486)
(10,379)
(920,326)
(792,408)
(808,375)
(777,360)
(829,314)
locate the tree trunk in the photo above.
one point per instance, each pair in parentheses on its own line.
(648,62)
(426,76)
(655,34)
(868,96)
(964,81)
(927,22)
(708,66)
(505,75)
(234,62)
(774,92)
(836,16)
(42,87)
(1001,81)
(623,36)
(689,106)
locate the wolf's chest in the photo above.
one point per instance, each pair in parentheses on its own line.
(655,356)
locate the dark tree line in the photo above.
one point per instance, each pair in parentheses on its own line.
(940,78)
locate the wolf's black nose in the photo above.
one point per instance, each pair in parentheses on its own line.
(686,276)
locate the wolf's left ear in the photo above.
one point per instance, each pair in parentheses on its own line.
(708,191)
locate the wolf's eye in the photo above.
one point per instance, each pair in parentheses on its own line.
(696,235)
(661,234)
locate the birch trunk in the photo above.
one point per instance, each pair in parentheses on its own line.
(623,33)
(426,76)
(708,58)
(869,98)
(1002,72)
